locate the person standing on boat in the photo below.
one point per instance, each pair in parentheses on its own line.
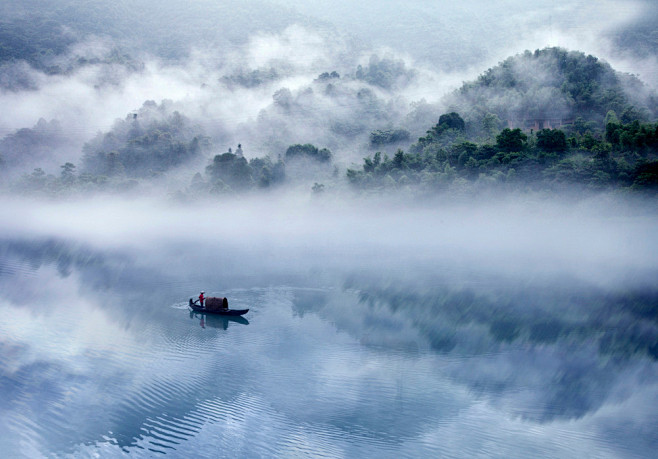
(201,298)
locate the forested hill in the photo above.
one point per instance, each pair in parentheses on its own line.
(556,86)
(547,120)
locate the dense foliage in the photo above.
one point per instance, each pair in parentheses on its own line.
(385,73)
(445,159)
(148,142)
(32,39)
(388,136)
(250,79)
(554,85)
(29,146)
(229,172)
(308,151)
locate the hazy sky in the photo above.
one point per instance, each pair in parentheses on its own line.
(477,33)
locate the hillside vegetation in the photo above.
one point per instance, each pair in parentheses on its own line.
(549,120)
(538,120)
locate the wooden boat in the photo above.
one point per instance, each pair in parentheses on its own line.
(221,312)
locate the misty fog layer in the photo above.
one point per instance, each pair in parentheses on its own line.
(605,236)
(460,27)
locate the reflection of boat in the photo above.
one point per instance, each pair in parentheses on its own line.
(221,312)
(217,321)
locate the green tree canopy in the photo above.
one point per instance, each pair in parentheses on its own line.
(510,140)
(451,120)
(552,140)
(389,136)
(232,170)
(308,151)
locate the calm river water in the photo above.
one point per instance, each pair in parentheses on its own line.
(346,351)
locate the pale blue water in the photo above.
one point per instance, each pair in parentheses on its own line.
(100,357)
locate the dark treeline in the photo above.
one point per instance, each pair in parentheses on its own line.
(231,172)
(621,156)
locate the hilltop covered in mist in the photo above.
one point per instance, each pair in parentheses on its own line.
(557,84)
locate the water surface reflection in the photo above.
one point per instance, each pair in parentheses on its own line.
(100,355)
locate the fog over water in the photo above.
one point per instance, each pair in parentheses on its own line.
(595,237)
(501,323)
